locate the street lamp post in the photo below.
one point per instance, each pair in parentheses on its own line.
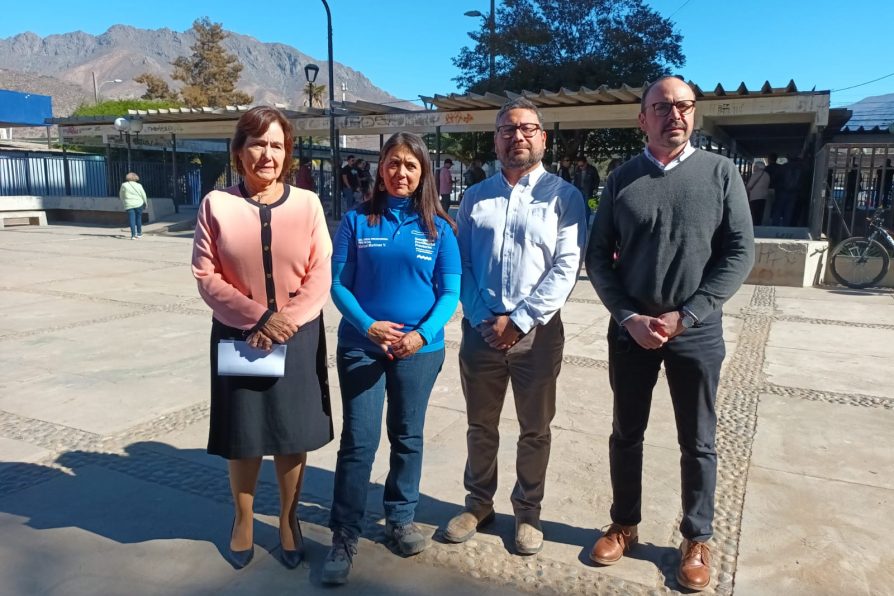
(97,89)
(310,73)
(333,141)
(492,26)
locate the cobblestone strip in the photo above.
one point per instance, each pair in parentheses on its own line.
(55,438)
(797,319)
(48,435)
(163,425)
(737,402)
(845,399)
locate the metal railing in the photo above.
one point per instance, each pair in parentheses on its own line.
(859,178)
(94,176)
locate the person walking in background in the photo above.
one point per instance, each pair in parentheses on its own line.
(261,258)
(758,189)
(364,179)
(350,184)
(134,198)
(521,238)
(304,178)
(396,274)
(586,180)
(565,172)
(445,184)
(671,243)
(475,174)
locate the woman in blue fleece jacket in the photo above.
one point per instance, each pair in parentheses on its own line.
(396,277)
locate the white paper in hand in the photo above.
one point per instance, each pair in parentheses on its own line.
(238,359)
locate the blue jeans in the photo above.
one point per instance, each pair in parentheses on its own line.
(365,378)
(135,218)
(348,199)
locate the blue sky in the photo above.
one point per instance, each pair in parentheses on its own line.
(406,46)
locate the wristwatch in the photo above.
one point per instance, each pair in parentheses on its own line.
(687,319)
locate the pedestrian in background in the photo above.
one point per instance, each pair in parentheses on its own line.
(445,184)
(134,198)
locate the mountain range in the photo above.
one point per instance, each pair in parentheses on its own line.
(64,65)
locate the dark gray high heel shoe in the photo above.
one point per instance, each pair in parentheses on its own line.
(292,558)
(239,558)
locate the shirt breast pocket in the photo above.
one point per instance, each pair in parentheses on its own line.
(540,226)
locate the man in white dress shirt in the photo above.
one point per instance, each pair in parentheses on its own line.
(521,235)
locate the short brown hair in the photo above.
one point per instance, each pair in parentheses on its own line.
(255,123)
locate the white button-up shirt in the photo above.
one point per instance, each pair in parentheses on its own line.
(686,152)
(520,247)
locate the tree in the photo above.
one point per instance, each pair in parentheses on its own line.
(157,88)
(316,93)
(211,73)
(551,44)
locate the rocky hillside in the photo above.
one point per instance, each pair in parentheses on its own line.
(272,72)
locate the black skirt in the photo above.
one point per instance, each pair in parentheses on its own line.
(256,416)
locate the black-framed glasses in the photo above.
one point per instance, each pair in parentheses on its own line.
(528,130)
(663,108)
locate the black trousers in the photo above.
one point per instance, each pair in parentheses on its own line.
(692,363)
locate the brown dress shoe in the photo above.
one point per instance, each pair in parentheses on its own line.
(609,549)
(695,565)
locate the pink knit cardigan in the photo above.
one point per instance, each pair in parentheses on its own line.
(228,257)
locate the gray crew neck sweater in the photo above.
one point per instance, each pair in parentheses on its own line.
(684,237)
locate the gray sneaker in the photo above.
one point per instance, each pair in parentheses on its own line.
(339,560)
(408,537)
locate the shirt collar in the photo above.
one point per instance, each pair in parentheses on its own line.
(687,151)
(529,179)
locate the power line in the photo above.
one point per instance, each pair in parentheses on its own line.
(861,84)
(682,6)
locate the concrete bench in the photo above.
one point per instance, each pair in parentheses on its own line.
(26,218)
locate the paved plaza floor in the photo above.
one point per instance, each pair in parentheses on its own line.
(105,487)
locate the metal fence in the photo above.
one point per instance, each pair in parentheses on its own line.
(96,176)
(859,178)
(52,175)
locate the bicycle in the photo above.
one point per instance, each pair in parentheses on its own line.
(862,261)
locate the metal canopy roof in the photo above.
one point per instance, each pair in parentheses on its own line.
(724,115)
(585,96)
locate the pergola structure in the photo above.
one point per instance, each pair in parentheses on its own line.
(742,123)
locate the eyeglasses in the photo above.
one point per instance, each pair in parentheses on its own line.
(528,130)
(663,108)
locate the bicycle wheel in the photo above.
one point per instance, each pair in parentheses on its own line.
(859,262)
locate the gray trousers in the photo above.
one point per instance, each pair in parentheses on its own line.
(532,366)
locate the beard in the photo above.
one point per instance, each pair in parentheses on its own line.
(521,162)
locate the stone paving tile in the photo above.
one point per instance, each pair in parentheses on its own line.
(834,451)
(804,535)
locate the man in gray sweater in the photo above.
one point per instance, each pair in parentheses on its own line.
(672,241)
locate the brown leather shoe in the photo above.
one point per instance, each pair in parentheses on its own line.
(695,565)
(609,549)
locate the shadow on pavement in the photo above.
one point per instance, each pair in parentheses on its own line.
(154,491)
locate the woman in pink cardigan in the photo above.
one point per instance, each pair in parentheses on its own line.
(261,258)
